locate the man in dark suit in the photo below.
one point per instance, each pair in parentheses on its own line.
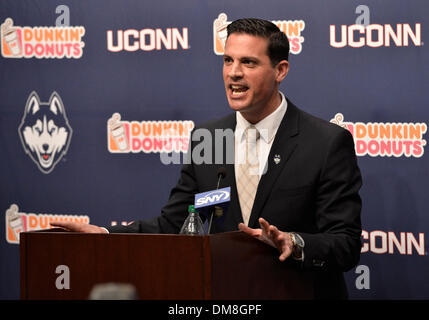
(303,197)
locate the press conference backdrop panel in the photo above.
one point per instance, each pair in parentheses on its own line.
(92,93)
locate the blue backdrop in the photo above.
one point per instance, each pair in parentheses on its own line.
(67,67)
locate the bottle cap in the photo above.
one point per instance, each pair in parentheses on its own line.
(191,208)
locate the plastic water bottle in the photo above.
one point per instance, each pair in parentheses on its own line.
(193,224)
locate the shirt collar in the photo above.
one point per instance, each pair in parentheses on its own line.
(268,126)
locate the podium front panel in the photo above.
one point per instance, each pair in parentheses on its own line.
(246,268)
(159,266)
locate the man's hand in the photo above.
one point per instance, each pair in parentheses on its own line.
(272,236)
(78,227)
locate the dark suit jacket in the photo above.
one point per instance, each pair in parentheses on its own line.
(313,191)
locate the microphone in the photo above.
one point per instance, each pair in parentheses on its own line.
(214,201)
(221,173)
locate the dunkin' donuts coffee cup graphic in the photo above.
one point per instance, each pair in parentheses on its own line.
(14,220)
(220,33)
(339,120)
(117,131)
(11,44)
(293,29)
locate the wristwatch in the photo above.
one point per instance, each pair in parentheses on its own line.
(298,246)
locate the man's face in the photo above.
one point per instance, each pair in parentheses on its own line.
(251,82)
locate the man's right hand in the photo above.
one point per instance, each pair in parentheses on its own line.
(78,227)
(272,236)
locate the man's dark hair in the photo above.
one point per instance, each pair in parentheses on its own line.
(278,43)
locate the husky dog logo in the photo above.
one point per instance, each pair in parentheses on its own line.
(45,131)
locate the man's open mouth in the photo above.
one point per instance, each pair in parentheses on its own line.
(238,89)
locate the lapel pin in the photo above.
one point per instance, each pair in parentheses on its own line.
(277,159)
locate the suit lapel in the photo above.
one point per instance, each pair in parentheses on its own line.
(282,149)
(229,180)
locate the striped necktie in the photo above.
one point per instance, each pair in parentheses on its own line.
(248,173)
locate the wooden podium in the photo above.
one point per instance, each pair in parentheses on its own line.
(161,267)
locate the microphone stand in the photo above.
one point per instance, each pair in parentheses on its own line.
(220,174)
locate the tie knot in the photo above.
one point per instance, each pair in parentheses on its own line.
(252,134)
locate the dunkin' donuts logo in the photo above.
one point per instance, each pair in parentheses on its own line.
(291,28)
(41,42)
(17,222)
(147,136)
(385,139)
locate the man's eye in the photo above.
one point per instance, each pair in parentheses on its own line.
(248,62)
(227,60)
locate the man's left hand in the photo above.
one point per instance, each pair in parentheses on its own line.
(272,236)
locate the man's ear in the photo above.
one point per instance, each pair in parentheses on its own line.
(282,69)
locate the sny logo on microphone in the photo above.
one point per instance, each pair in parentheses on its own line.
(212,197)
